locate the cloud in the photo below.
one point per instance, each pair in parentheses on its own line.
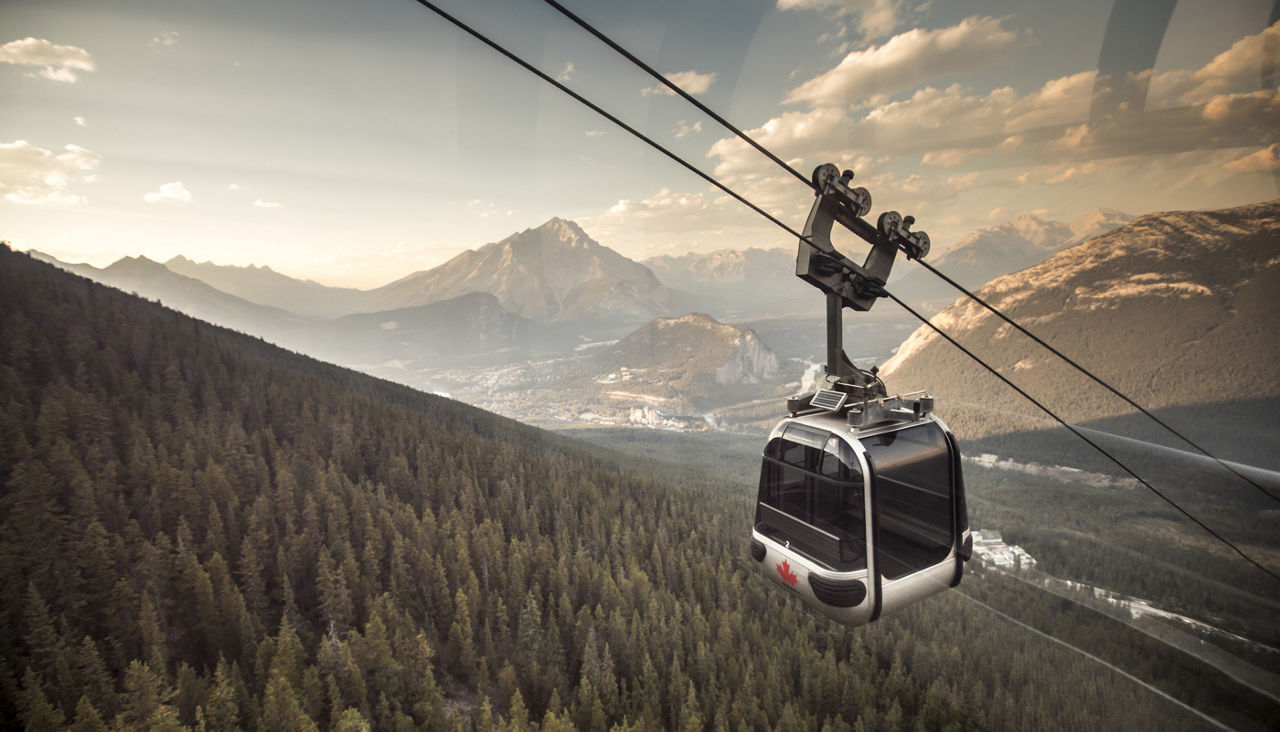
(1265,160)
(691,82)
(80,121)
(676,222)
(58,63)
(567,73)
(911,58)
(794,137)
(34,176)
(1235,67)
(164,40)
(875,17)
(484,209)
(174,191)
(941,152)
(595,133)
(259,203)
(685,129)
(947,158)
(948,127)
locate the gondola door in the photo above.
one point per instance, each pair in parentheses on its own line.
(919,527)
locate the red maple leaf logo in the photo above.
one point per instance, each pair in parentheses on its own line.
(784,569)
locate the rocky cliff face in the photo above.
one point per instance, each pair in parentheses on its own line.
(701,348)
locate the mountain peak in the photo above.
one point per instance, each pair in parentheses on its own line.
(567,231)
(1096,223)
(553,272)
(139,263)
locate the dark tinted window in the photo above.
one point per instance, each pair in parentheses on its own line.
(813,477)
(912,498)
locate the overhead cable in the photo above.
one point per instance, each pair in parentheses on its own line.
(967,293)
(599,110)
(673,156)
(675,88)
(1077,433)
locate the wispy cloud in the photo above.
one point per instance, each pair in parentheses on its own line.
(259,203)
(80,121)
(690,81)
(174,191)
(164,40)
(567,73)
(1265,160)
(909,59)
(56,62)
(595,133)
(34,176)
(684,129)
(875,17)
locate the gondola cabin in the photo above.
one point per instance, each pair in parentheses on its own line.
(861,505)
(861,522)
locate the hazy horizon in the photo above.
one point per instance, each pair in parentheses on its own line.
(352,146)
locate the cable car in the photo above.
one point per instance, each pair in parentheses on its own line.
(861,522)
(861,507)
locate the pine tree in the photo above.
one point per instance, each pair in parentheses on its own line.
(145,702)
(38,714)
(281,708)
(221,712)
(87,718)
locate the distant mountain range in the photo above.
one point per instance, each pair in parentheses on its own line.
(156,281)
(740,283)
(265,286)
(1021,242)
(546,294)
(436,333)
(553,273)
(1175,308)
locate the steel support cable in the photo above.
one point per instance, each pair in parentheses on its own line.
(1098,380)
(808,182)
(681,92)
(600,111)
(1092,657)
(1077,433)
(641,136)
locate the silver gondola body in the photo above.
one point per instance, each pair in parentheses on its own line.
(861,523)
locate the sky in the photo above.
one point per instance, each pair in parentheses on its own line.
(355,143)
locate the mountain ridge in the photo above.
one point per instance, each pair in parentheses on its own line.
(262,285)
(1023,241)
(1187,295)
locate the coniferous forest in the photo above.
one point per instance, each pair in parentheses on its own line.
(200,530)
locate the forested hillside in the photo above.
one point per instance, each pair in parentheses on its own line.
(199,529)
